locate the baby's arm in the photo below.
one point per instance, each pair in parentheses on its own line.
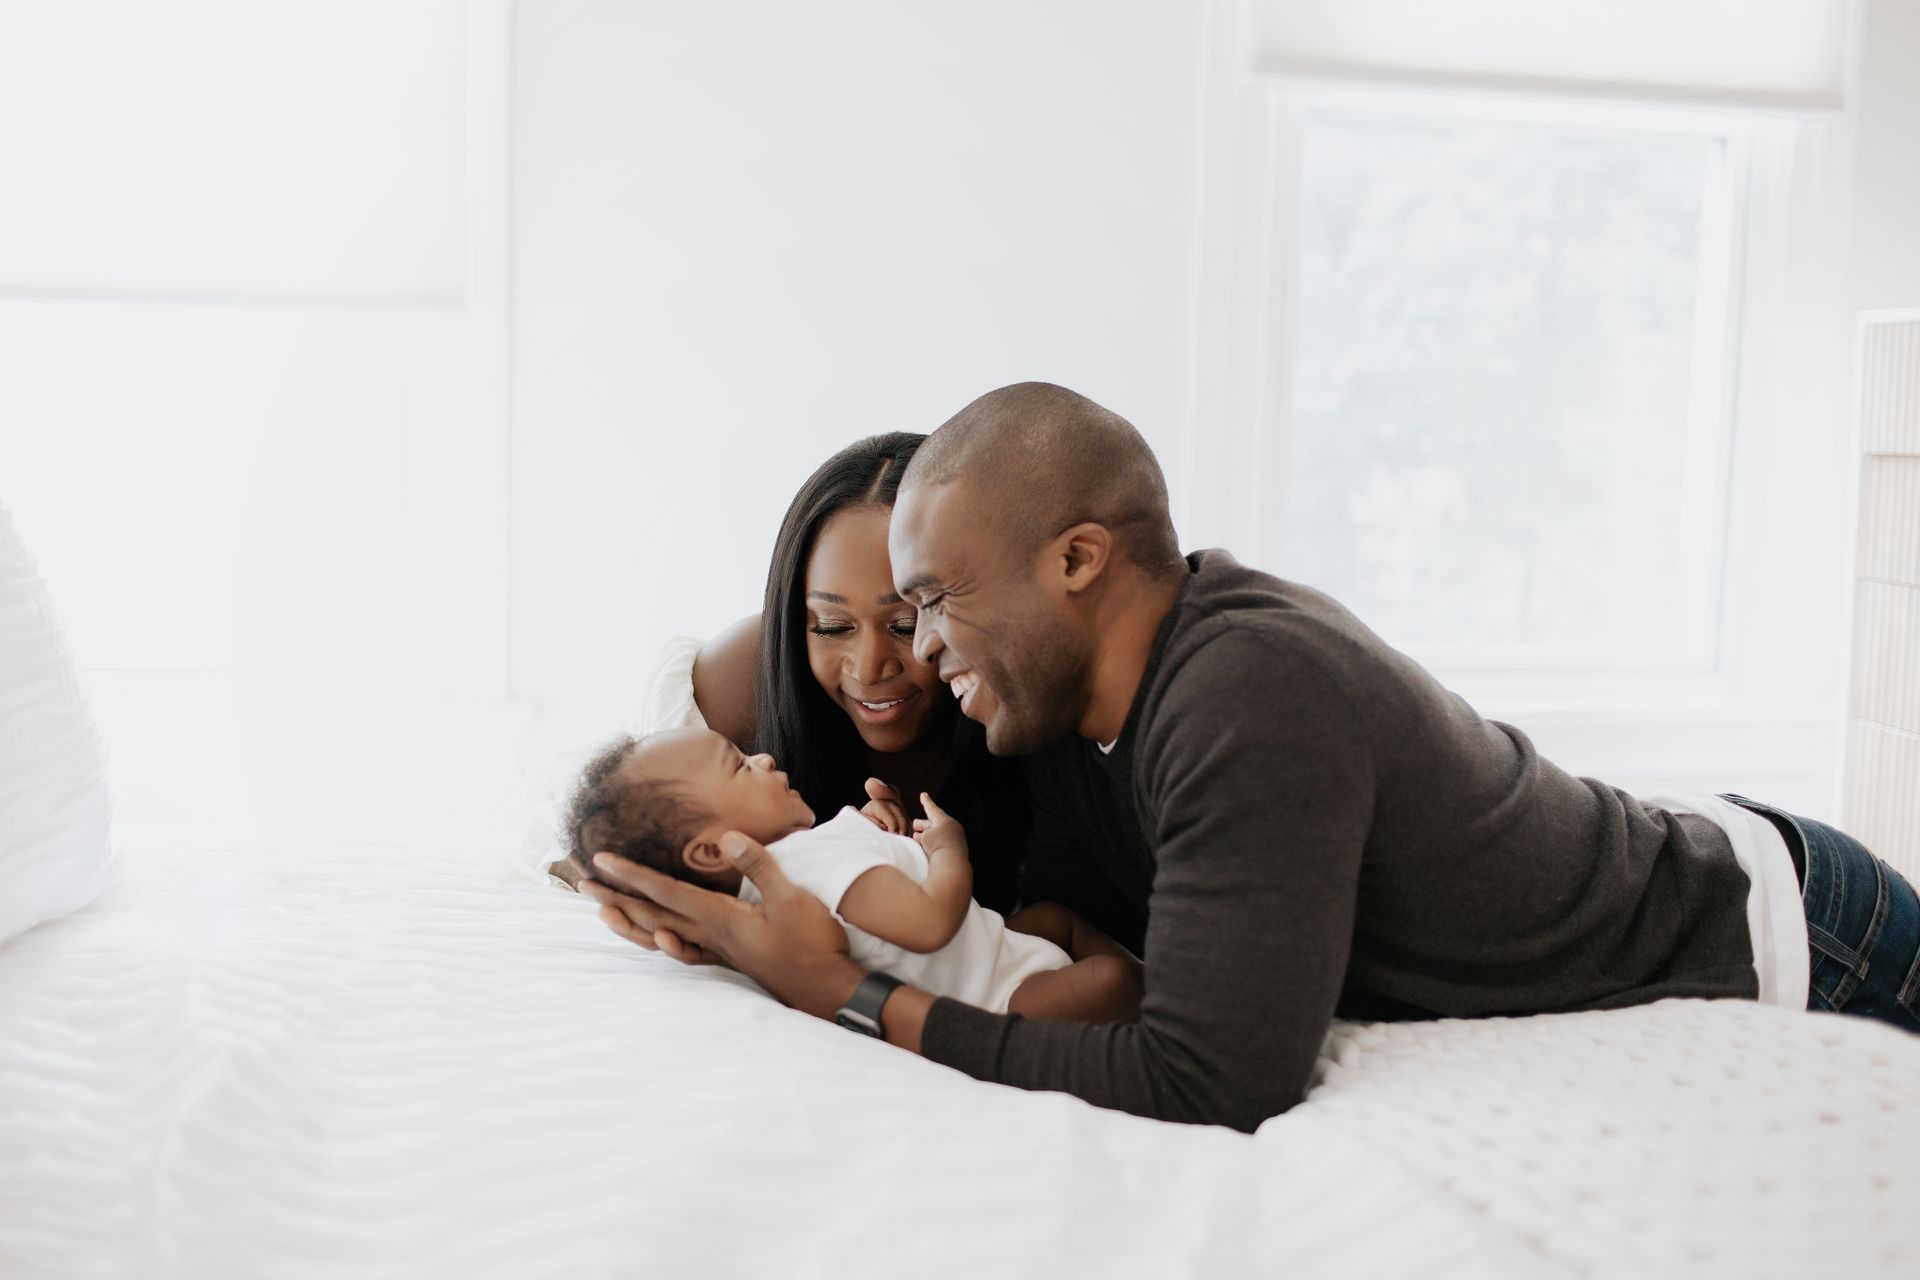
(885,902)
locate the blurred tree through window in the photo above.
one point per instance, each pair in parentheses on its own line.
(1494,419)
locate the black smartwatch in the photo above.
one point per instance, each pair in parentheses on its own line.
(861,1012)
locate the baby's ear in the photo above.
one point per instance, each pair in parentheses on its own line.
(703,857)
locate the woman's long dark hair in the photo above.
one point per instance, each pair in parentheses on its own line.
(810,737)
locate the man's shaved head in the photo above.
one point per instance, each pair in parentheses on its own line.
(1031,536)
(1045,458)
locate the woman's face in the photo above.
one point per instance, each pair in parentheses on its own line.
(860,634)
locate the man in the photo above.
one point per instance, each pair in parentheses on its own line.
(1302,819)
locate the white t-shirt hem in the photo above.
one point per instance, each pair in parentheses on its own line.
(1776,917)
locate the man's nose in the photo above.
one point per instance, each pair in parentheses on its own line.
(926,642)
(763,761)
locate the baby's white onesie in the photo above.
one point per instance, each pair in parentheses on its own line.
(983,963)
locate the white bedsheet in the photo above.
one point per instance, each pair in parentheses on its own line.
(366,1063)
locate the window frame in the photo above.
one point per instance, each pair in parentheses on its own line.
(1784,230)
(1705,454)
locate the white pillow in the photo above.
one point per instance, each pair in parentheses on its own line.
(55,850)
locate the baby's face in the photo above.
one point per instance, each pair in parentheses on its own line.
(743,793)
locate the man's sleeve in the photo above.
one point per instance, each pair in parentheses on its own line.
(1261,786)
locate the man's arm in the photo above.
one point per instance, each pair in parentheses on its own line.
(1262,787)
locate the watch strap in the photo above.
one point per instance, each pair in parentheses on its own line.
(861,1012)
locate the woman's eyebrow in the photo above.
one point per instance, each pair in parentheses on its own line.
(891,597)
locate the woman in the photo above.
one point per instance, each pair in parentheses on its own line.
(825,680)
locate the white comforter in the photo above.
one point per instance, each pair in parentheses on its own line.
(381,1064)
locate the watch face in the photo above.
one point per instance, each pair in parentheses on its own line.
(861,1012)
(860,1022)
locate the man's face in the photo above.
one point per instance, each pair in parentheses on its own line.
(985,618)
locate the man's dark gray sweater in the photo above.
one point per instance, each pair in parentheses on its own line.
(1310,824)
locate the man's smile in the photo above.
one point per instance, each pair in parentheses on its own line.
(963,685)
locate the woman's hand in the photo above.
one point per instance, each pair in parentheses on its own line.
(883,808)
(790,943)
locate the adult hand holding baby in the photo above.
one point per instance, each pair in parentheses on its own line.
(789,943)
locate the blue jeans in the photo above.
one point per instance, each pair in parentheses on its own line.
(1863,922)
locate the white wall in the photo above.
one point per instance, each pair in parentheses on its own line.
(262,447)
(249,421)
(747,233)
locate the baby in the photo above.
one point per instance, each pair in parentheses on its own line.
(905,902)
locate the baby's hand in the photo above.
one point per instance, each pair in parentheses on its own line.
(938,832)
(884,809)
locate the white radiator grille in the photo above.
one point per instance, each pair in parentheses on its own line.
(1890,518)
(1883,740)
(1890,388)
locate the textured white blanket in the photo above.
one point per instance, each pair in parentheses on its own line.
(383,1064)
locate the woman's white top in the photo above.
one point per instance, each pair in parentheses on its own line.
(668,702)
(982,964)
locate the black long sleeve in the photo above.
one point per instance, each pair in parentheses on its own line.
(1258,833)
(1311,822)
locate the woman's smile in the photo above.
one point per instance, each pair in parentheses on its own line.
(880,710)
(860,634)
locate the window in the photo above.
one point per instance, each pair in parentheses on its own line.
(1527,340)
(1507,431)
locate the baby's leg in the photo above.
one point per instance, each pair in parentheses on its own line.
(1047,920)
(1100,988)
(1066,929)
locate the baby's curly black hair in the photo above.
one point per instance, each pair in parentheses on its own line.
(637,818)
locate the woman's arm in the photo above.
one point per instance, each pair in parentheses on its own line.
(723,680)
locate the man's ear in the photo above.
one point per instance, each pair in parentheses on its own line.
(1081,554)
(703,857)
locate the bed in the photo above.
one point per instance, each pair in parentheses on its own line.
(375,1062)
